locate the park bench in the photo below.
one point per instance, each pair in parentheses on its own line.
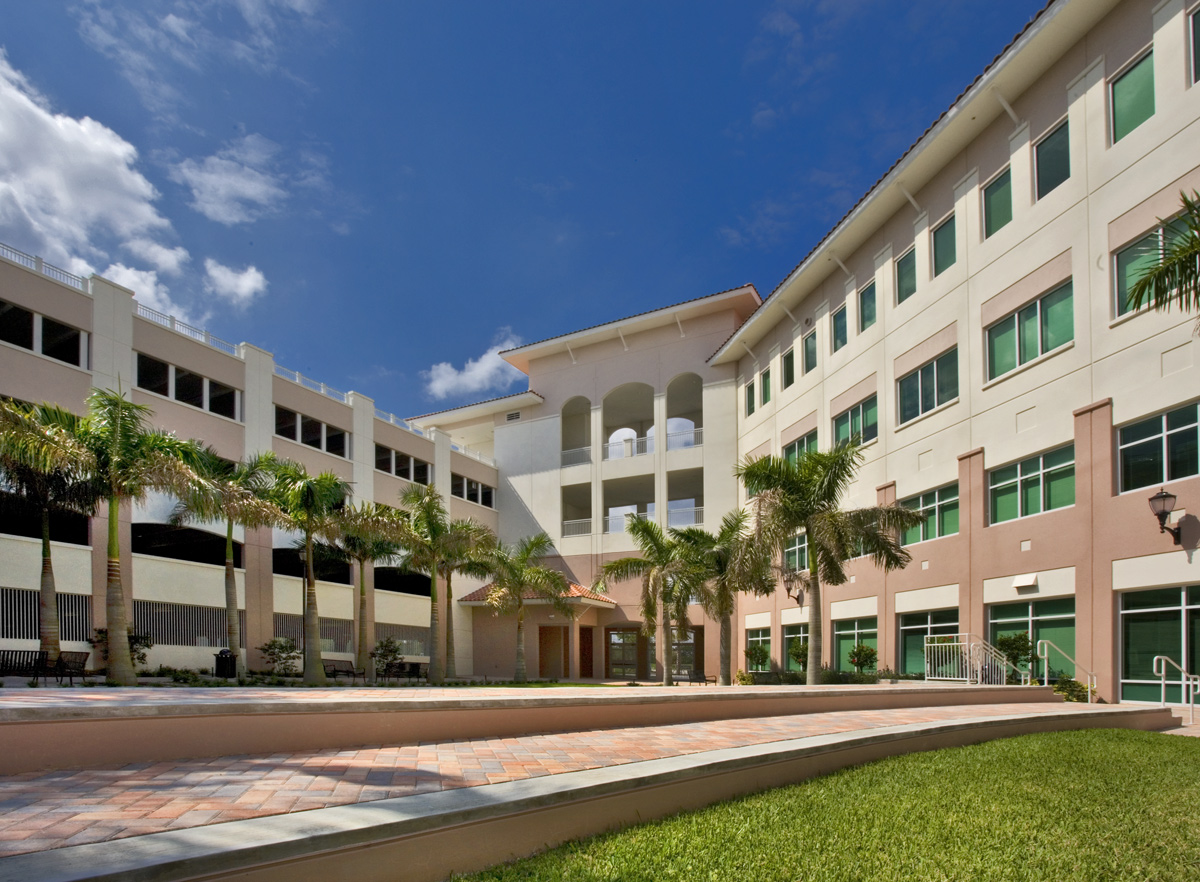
(71,665)
(696,676)
(24,663)
(340,668)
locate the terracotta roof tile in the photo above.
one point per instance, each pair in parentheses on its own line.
(576,590)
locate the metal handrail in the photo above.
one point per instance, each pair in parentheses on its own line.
(967,658)
(1043,653)
(1190,685)
(578,527)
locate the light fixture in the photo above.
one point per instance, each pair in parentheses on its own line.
(1162,504)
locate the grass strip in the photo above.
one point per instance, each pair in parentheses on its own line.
(1087,805)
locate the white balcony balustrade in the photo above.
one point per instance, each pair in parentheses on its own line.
(578,456)
(580,527)
(628,448)
(685,517)
(684,440)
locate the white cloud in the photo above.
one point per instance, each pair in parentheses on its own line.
(237,287)
(166,260)
(489,372)
(148,290)
(235,185)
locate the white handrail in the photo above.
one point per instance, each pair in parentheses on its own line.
(1043,653)
(967,658)
(1190,685)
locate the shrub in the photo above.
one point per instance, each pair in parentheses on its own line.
(1071,689)
(138,645)
(1018,649)
(863,656)
(387,651)
(757,656)
(282,653)
(794,678)
(798,652)
(741,678)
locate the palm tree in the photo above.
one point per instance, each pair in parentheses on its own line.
(735,562)
(671,574)
(309,504)
(47,485)
(518,576)
(439,547)
(235,493)
(364,533)
(1174,278)
(806,496)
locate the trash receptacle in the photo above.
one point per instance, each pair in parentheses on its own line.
(226,665)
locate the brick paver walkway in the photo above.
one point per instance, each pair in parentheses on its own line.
(54,809)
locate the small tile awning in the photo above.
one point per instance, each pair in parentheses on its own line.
(576,594)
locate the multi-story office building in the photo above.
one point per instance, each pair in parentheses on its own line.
(966,319)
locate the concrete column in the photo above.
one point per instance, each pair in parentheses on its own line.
(598,511)
(573,650)
(258,408)
(972,506)
(258,399)
(112,335)
(660,458)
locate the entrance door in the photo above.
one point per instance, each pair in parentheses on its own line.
(622,655)
(550,652)
(585,652)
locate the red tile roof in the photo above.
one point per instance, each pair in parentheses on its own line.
(576,591)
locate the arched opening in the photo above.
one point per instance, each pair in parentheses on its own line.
(685,412)
(628,421)
(577,431)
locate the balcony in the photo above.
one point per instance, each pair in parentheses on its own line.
(683,440)
(629,447)
(580,527)
(578,456)
(685,517)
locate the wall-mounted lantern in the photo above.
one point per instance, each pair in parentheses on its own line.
(1162,504)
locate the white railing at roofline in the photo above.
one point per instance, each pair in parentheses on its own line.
(685,517)
(967,658)
(474,454)
(578,456)
(580,527)
(40,266)
(629,447)
(181,327)
(1043,652)
(309,383)
(397,422)
(682,440)
(1190,684)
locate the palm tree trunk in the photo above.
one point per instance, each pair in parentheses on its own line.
(120,664)
(48,629)
(813,674)
(363,657)
(724,678)
(233,628)
(668,678)
(435,621)
(451,666)
(314,671)
(521,675)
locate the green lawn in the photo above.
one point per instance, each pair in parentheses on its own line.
(1091,805)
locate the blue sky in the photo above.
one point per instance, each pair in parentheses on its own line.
(385,193)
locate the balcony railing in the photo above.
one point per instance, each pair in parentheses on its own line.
(682,440)
(181,327)
(685,517)
(629,447)
(474,454)
(578,456)
(615,524)
(308,383)
(397,422)
(581,527)
(40,266)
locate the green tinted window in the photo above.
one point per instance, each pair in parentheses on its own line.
(944,253)
(749,398)
(840,330)
(906,276)
(1002,347)
(1053,155)
(997,204)
(1032,331)
(1133,97)
(1040,483)
(1057,317)
(789,368)
(940,508)
(1196,47)
(866,307)
(862,420)
(1132,263)
(810,352)
(929,386)
(1159,449)
(765,384)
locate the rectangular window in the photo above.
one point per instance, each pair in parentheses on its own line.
(16,325)
(1133,97)
(789,368)
(810,352)
(750,398)
(189,387)
(473,490)
(929,386)
(758,637)
(866,307)
(799,447)
(285,423)
(860,422)
(404,465)
(914,628)
(458,486)
(840,329)
(60,341)
(1041,483)
(793,634)
(335,441)
(764,383)
(420,472)
(1162,621)
(1196,47)
(1052,620)
(997,203)
(153,375)
(1053,156)
(940,508)
(222,399)
(1160,449)
(848,634)
(310,432)
(944,247)
(487,496)
(1133,261)
(383,458)
(906,275)
(795,553)
(1032,331)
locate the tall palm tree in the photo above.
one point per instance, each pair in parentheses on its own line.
(1174,278)
(807,496)
(517,576)
(734,562)
(440,547)
(671,574)
(365,534)
(47,485)
(235,493)
(309,504)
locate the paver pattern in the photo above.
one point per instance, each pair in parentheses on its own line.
(41,811)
